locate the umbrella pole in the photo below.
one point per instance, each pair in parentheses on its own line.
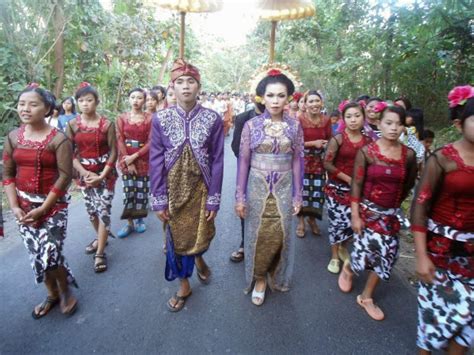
(272,42)
(181,35)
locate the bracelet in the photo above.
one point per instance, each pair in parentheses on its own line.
(421,229)
(355,199)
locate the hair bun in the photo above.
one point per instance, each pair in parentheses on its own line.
(84,84)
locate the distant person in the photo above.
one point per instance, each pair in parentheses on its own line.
(152,101)
(427,139)
(161,93)
(66,113)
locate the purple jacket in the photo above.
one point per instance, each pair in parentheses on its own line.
(171,129)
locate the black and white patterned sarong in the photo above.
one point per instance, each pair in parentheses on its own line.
(340,227)
(45,242)
(446,311)
(98,201)
(135,196)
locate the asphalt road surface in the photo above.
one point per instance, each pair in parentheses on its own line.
(124,309)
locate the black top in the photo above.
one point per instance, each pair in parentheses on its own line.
(239,126)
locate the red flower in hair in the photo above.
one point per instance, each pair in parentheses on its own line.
(83,85)
(342,105)
(362,103)
(297,96)
(33,85)
(274,72)
(380,106)
(459,95)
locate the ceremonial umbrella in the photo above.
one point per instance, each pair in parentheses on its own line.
(184,6)
(278,10)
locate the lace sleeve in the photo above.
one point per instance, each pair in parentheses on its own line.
(9,166)
(298,167)
(331,153)
(146,148)
(411,174)
(112,143)
(425,194)
(358,176)
(63,151)
(243,165)
(122,150)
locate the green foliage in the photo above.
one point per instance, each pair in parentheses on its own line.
(380,48)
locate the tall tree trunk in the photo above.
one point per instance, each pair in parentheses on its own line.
(387,61)
(58,65)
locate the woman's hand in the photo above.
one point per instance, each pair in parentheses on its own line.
(320,143)
(357,224)
(129,159)
(241,210)
(296,210)
(132,169)
(93,180)
(19,214)
(33,215)
(425,268)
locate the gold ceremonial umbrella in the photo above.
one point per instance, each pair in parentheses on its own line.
(184,6)
(278,10)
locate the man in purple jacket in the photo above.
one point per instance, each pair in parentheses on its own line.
(186,170)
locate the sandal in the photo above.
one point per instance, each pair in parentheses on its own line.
(372,309)
(204,279)
(64,297)
(237,256)
(314,228)
(47,305)
(258,295)
(101,265)
(300,232)
(180,301)
(91,248)
(345,280)
(334,266)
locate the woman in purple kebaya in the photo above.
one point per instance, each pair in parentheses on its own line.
(269,187)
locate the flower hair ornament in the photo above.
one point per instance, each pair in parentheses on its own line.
(459,95)
(274,72)
(343,104)
(258,99)
(33,86)
(382,105)
(274,69)
(297,96)
(84,84)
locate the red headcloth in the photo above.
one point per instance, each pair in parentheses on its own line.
(180,68)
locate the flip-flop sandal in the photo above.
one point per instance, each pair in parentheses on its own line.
(73,308)
(315,229)
(180,302)
(100,266)
(300,232)
(51,302)
(237,256)
(91,249)
(203,279)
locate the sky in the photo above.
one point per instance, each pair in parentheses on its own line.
(237,19)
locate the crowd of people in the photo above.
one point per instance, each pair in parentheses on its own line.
(294,161)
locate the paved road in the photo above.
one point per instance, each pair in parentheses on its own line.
(124,311)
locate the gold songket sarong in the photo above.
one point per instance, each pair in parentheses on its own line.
(269,240)
(187,191)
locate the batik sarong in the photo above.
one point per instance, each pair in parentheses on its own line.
(378,246)
(135,196)
(44,239)
(446,307)
(339,212)
(98,200)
